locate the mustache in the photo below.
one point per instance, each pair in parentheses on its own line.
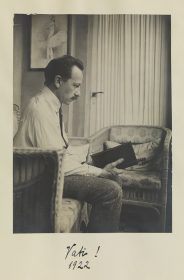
(74,98)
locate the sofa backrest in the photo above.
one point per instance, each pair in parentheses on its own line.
(148,143)
(137,134)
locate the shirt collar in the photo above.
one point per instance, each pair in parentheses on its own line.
(52,99)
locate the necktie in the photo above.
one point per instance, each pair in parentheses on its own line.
(61,127)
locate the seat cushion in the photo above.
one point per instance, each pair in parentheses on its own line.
(141,180)
(71,209)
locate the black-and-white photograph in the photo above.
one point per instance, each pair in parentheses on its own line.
(92,123)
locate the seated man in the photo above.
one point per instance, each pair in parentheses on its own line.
(42,126)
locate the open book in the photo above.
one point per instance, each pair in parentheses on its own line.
(124,151)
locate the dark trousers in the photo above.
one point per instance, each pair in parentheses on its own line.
(104,195)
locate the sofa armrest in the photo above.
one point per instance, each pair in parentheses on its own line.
(165,165)
(97,140)
(166,149)
(38,187)
(75,141)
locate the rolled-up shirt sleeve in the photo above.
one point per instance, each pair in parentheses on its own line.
(72,167)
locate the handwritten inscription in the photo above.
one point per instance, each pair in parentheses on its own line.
(79,264)
(81,253)
(78,257)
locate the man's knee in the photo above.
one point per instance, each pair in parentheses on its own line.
(115,189)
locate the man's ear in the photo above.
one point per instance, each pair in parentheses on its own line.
(58,81)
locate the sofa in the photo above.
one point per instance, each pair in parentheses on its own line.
(38,179)
(145,185)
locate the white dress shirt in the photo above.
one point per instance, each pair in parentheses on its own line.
(40,127)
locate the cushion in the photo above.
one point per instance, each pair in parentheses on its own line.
(75,215)
(140,180)
(70,210)
(110,144)
(79,153)
(148,151)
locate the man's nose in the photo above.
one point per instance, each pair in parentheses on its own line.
(77,92)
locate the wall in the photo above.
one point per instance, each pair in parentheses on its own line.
(28,82)
(31,81)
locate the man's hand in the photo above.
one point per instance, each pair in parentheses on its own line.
(111,167)
(111,172)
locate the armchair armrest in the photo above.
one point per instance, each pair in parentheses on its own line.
(38,187)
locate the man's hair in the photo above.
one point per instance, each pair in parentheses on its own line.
(61,66)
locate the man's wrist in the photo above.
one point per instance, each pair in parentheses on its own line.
(104,173)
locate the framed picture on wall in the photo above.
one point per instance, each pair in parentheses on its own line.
(49,39)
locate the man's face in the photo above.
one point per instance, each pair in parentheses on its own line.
(70,89)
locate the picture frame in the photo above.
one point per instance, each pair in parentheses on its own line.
(49,39)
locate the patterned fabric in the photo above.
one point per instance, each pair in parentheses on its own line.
(70,212)
(142,150)
(147,143)
(136,134)
(140,180)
